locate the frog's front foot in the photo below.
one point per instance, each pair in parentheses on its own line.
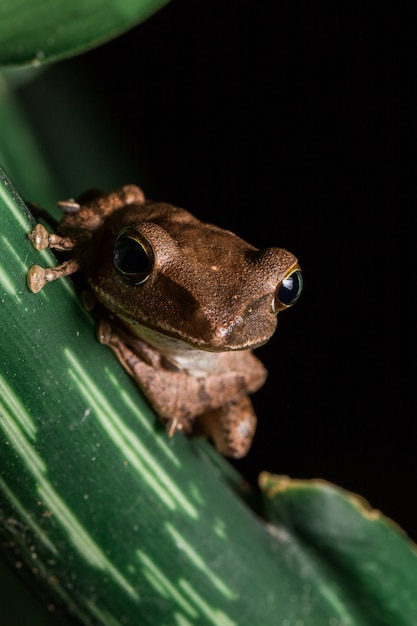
(230,427)
(172,426)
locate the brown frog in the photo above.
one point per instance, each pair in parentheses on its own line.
(185,303)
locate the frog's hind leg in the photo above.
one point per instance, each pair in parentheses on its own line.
(38,277)
(42,239)
(230,427)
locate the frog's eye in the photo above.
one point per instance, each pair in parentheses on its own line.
(133,256)
(289,290)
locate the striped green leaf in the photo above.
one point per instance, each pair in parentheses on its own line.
(121,525)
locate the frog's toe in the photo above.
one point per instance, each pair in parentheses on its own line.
(39,237)
(36,278)
(231,427)
(104,332)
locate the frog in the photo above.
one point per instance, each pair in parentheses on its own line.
(181,302)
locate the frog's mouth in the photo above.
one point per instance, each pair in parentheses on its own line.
(155,338)
(194,329)
(166,342)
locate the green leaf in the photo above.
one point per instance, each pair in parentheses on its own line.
(46,30)
(121,525)
(18,602)
(361,559)
(20,151)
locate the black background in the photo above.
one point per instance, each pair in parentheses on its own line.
(293,126)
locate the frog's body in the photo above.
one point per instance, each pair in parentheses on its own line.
(186,303)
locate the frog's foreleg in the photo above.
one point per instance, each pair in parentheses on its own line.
(159,386)
(179,398)
(231,427)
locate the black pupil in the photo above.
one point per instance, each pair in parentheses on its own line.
(131,258)
(290,289)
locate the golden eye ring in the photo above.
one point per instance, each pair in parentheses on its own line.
(133,256)
(289,290)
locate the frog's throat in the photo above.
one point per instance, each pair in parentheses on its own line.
(183,355)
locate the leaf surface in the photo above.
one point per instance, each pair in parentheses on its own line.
(122,525)
(47,30)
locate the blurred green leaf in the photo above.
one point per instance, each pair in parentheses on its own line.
(360,558)
(20,606)
(47,30)
(21,153)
